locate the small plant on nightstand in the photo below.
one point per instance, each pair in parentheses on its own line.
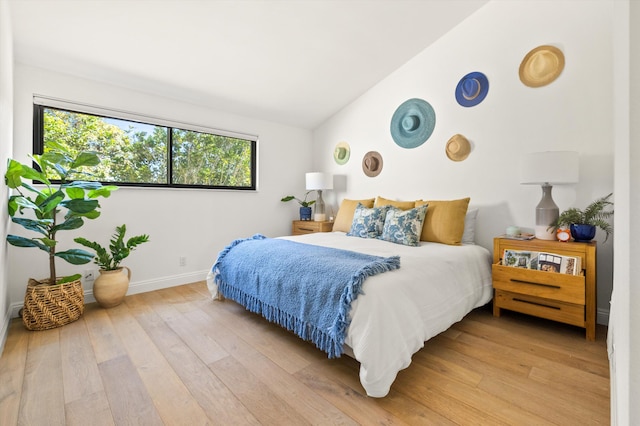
(305,206)
(583,223)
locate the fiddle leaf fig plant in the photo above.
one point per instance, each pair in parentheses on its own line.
(118,249)
(303,203)
(37,206)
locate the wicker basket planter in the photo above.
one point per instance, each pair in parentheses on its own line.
(47,306)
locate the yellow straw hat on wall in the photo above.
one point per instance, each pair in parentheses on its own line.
(458,148)
(541,66)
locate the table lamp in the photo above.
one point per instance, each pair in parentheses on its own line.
(547,169)
(318,181)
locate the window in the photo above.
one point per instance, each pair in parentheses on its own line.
(138,153)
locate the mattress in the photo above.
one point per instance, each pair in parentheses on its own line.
(435,287)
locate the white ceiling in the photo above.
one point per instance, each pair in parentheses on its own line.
(295,62)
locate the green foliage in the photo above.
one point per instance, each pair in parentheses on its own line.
(140,155)
(134,155)
(69,279)
(207,159)
(594,214)
(119,250)
(78,198)
(303,203)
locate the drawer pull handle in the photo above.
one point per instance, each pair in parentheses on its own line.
(306,229)
(535,303)
(534,283)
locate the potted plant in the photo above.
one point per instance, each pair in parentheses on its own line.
(305,206)
(583,223)
(111,286)
(53,301)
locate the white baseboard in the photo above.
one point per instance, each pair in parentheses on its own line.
(15,307)
(602,316)
(5,329)
(136,287)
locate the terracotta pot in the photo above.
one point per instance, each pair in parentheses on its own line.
(111,287)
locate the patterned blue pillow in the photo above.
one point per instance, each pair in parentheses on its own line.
(404,226)
(368,223)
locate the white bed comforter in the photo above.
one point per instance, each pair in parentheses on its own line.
(435,287)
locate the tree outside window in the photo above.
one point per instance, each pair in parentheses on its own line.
(143,154)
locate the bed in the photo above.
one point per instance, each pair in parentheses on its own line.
(398,310)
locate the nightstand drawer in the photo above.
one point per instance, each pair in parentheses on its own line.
(567,313)
(300,227)
(549,285)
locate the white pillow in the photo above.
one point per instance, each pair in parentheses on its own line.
(469,234)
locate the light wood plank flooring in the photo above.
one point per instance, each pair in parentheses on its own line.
(175,357)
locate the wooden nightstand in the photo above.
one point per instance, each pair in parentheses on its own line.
(570,299)
(300,227)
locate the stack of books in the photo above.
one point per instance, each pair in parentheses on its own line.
(542,261)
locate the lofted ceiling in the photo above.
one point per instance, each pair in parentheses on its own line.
(295,62)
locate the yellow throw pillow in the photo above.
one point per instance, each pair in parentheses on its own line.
(402,205)
(344,218)
(445,221)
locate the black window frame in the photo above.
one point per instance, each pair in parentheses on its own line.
(38,148)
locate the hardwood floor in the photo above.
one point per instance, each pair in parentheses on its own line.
(175,357)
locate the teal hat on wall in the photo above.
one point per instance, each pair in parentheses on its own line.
(412,123)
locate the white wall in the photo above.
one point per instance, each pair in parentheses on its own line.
(619,320)
(196,224)
(6,136)
(572,113)
(624,328)
(634,227)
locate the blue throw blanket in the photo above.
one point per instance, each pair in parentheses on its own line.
(305,288)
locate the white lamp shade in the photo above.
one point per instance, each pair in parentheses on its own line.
(553,167)
(319,180)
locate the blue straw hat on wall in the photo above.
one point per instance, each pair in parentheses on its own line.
(412,123)
(472,89)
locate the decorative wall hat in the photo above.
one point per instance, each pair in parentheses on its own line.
(372,163)
(458,148)
(341,153)
(412,123)
(541,66)
(472,89)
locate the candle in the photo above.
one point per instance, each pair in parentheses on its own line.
(320,217)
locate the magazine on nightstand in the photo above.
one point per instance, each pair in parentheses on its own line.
(542,261)
(520,259)
(551,262)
